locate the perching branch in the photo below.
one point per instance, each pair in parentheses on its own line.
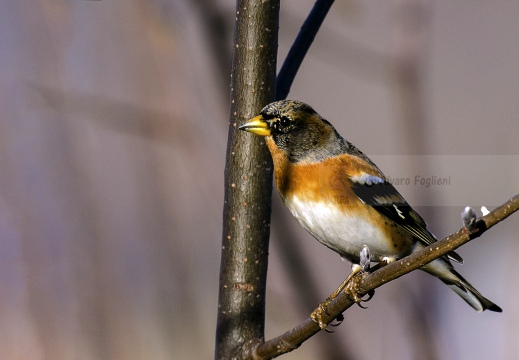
(295,337)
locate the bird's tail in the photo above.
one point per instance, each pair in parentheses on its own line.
(442,269)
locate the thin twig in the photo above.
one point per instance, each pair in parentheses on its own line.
(292,339)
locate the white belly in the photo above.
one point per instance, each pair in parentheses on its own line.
(345,234)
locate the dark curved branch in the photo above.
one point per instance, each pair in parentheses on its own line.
(300,47)
(294,338)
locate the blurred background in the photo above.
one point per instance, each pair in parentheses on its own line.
(113,130)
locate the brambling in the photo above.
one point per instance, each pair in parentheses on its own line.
(343,199)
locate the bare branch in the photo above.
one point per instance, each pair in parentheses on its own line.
(248,184)
(295,337)
(300,47)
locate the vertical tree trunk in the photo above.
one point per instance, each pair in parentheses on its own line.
(248,183)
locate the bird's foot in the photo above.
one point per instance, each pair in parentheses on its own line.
(317,314)
(352,291)
(348,288)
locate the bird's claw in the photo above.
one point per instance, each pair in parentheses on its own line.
(370,294)
(352,290)
(350,286)
(339,319)
(317,317)
(317,314)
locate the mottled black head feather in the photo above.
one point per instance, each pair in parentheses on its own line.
(304,135)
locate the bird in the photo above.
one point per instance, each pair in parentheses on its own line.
(344,200)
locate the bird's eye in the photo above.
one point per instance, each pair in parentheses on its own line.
(284,121)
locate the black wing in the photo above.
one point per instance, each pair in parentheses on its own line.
(383,197)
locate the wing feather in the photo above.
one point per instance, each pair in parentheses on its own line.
(385,198)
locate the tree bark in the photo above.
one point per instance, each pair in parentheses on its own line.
(248,184)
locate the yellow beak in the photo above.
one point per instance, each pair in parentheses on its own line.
(256,126)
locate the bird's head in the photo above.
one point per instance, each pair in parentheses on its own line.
(297,130)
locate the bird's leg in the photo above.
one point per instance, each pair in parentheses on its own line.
(469,219)
(362,267)
(318,313)
(365,259)
(351,290)
(355,269)
(352,285)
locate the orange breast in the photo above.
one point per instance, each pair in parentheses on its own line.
(328,182)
